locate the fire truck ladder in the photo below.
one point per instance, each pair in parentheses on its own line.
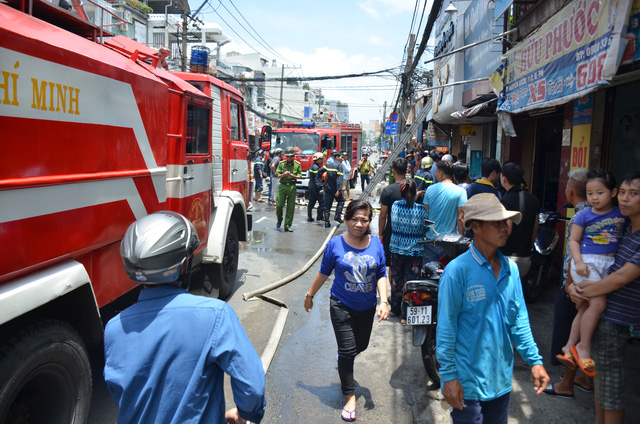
(404,139)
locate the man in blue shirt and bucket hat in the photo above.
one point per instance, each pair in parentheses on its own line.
(481,318)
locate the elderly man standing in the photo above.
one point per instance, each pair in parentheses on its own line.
(481,318)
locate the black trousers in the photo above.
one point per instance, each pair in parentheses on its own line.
(353,330)
(329,196)
(315,196)
(564,312)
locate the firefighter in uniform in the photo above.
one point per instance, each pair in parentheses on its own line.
(333,188)
(423,177)
(288,172)
(315,187)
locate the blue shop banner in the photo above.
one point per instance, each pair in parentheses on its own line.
(481,60)
(573,53)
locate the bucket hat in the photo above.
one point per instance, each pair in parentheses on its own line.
(487,207)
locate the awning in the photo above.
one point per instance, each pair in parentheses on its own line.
(563,59)
(474,110)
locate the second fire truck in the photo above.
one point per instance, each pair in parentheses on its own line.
(307,138)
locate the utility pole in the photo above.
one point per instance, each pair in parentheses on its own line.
(281,88)
(406,83)
(382,122)
(183,65)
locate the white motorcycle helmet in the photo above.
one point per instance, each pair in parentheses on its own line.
(158,248)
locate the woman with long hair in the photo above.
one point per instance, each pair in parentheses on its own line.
(407,224)
(359,265)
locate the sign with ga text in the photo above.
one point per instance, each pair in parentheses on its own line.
(569,56)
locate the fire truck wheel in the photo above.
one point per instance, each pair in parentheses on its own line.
(220,276)
(46,376)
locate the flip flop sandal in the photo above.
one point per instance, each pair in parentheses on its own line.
(587,366)
(552,392)
(352,415)
(584,389)
(567,360)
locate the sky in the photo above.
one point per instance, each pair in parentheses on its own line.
(325,38)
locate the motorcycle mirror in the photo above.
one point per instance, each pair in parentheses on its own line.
(429,224)
(542,217)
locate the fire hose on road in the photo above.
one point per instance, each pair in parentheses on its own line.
(278,328)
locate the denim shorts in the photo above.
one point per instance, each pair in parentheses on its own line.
(607,349)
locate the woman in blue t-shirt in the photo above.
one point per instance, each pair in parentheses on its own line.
(359,265)
(407,225)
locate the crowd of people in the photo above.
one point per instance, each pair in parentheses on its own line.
(327,183)
(161,372)
(481,290)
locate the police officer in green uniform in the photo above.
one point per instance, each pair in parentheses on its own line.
(288,172)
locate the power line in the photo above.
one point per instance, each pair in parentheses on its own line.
(267,44)
(234,31)
(299,79)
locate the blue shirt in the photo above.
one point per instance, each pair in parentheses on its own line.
(357,272)
(408,228)
(479,317)
(258,166)
(443,200)
(423,179)
(481,186)
(165,359)
(334,175)
(602,233)
(315,177)
(623,305)
(566,259)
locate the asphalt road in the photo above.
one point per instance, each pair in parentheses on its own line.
(392,386)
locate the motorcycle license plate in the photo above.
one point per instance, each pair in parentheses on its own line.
(419,315)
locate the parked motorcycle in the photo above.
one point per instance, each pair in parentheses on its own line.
(421,299)
(545,251)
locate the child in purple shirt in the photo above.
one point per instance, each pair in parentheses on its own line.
(594,240)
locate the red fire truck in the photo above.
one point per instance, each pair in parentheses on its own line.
(307,138)
(94,136)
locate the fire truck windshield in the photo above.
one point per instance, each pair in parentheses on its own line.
(302,143)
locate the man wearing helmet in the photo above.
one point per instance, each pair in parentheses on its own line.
(315,187)
(288,172)
(423,177)
(165,356)
(333,188)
